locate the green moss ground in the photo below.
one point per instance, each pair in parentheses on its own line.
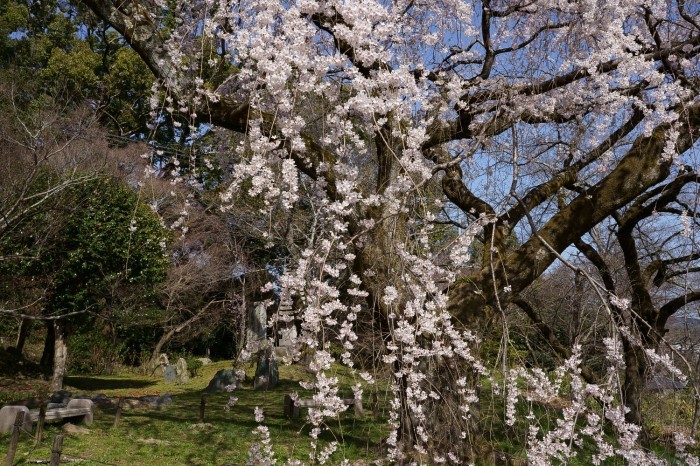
(173,435)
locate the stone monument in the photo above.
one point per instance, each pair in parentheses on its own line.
(256,328)
(183,375)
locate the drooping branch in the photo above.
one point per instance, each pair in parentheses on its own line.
(578,74)
(133,22)
(563,351)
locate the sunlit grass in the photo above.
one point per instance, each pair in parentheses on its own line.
(174,434)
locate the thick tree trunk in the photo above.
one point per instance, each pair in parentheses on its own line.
(167,336)
(635,378)
(60,359)
(49,343)
(454,430)
(25,327)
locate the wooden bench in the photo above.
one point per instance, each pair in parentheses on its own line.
(78,409)
(292,407)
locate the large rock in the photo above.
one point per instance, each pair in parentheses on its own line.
(60,397)
(160,364)
(183,375)
(224,378)
(170,374)
(204,361)
(256,328)
(8,415)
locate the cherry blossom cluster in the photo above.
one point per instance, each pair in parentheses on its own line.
(358,108)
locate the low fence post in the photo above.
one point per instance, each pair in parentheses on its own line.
(40,424)
(119,413)
(202,406)
(56,450)
(19,420)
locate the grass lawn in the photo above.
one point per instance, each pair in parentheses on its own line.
(172,435)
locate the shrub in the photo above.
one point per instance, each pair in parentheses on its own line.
(193,366)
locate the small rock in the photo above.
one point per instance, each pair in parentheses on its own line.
(133,403)
(149,400)
(223,379)
(204,361)
(76,430)
(105,402)
(163,359)
(202,426)
(164,400)
(61,396)
(161,364)
(153,441)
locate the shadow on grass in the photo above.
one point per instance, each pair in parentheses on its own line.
(98,383)
(230,433)
(173,434)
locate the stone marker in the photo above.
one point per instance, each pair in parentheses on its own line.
(223,379)
(288,336)
(183,375)
(169,374)
(267,374)
(256,328)
(8,415)
(160,364)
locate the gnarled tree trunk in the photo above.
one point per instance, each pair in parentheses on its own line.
(632,387)
(25,327)
(49,345)
(60,359)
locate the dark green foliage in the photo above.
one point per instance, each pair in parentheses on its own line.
(69,57)
(96,238)
(113,239)
(96,247)
(193,366)
(92,353)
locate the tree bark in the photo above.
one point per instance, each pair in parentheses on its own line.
(25,327)
(60,359)
(632,387)
(167,336)
(49,343)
